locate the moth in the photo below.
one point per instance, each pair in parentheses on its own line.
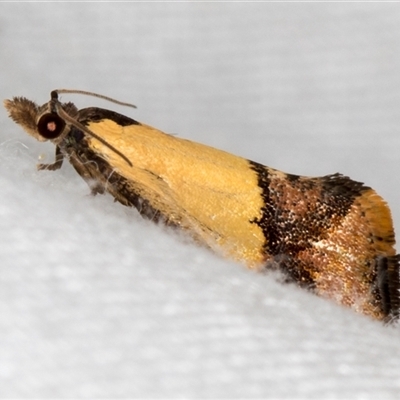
(330,234)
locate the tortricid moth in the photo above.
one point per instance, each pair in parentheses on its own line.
(330,234)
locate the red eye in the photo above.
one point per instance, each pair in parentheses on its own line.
(50,126)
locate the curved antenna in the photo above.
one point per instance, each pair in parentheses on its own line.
(83,128)
(100,96)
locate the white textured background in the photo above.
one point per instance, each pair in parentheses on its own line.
(94,301)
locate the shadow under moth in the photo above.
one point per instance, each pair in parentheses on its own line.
(330,234)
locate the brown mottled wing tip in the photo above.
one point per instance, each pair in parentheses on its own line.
(24,112)
(388,281)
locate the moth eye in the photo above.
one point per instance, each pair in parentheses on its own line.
(50,126)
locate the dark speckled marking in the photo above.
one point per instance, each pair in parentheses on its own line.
(299,212)
(290,227)
(292,178)
(341,191)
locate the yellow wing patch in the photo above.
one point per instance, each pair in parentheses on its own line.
(200,188)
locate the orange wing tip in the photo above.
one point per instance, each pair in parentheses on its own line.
(380,221)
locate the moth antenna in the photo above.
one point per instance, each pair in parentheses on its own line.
(83,128)
(100,96)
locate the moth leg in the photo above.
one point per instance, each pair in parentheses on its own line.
(89,172)
(59,158)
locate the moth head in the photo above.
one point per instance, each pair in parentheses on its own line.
(53,120)
(39,122)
